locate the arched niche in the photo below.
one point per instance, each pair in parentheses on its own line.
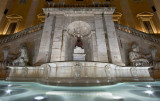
(77,29)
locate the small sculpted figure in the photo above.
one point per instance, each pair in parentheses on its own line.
(79,42)
(138,59)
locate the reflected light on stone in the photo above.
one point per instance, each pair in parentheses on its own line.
(108,80)
(54,93)
(87,81)
(98,81)
(104,94)
(39,98)
(149,92)
(117,98)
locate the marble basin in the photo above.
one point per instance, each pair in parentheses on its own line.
(79,73)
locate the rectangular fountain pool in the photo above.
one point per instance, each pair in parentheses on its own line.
(30,91)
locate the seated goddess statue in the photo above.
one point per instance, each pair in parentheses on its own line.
(138,59)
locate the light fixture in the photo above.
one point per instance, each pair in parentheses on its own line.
(98,81)
(9,85)
(39,98)
(149,86)
(8,91)
(149,92)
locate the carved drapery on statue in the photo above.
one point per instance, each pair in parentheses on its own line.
(138,59)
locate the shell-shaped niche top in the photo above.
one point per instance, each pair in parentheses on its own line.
(79,28)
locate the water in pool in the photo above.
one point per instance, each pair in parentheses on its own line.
(133,91)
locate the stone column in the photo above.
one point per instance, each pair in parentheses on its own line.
(115,51)
(57,39)
(100,38)
(45,44)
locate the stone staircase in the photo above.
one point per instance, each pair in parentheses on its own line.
(135,32)
(31,30)
(20,34)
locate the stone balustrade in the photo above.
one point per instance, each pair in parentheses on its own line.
(21,34)
(137,33)
(95,4)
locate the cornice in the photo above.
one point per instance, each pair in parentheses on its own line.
(80,10)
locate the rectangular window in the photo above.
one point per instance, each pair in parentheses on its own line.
(148,27)
(11,29)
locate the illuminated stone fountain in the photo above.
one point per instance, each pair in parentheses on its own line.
(81,46)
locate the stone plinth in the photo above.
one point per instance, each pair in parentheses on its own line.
(79,54)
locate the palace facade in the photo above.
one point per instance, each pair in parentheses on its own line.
(17,15)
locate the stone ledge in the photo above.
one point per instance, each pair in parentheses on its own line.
(80,10)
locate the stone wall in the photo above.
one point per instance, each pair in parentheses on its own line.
(32,42)
(126,40)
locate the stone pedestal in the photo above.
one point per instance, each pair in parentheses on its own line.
(79,54)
